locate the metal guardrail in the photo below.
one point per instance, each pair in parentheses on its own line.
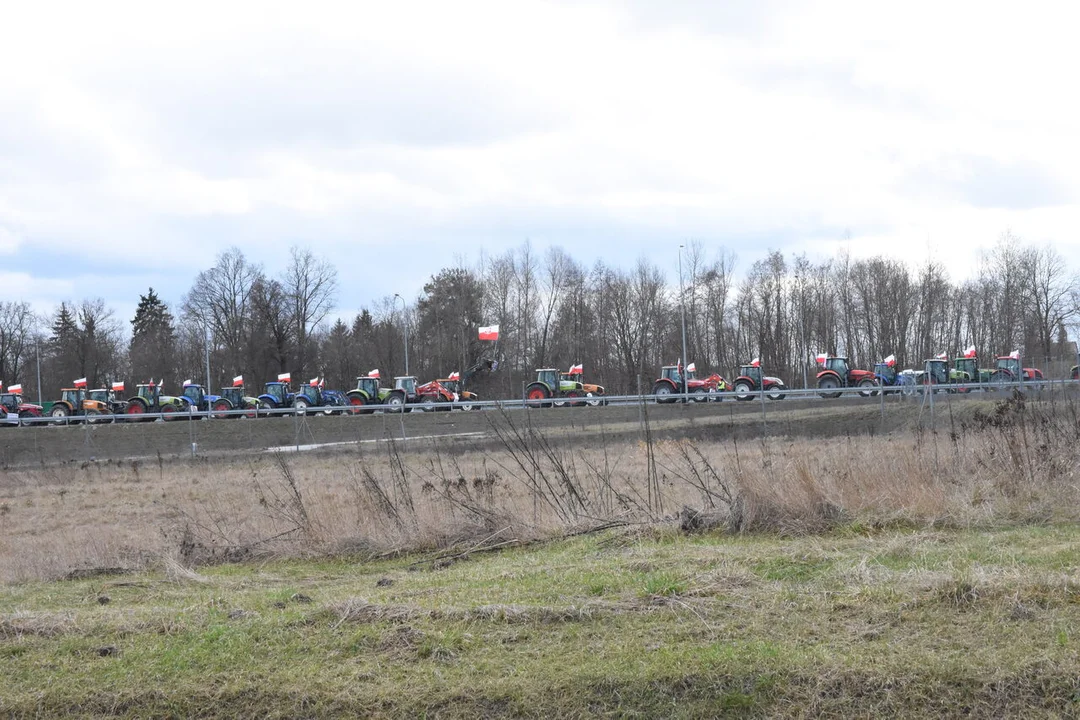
(580,401)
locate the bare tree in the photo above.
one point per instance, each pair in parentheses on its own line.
(310,285)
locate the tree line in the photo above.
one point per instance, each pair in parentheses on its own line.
(622,323)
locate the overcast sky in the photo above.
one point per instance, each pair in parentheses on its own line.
(138,140)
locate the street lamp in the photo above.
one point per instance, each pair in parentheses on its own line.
(405,324)
(682,311)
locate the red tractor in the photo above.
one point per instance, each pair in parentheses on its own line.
(839,374)
(752,380)
(1008,370)
(436,396)
(13,409)
(670,383)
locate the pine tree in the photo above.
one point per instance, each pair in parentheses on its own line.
(153,339)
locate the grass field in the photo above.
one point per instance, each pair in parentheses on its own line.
(625,622)
(553,574)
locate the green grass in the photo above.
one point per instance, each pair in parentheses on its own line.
(892,623)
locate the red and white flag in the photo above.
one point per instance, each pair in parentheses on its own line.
(314,382)
(1015,355)
(691,368)
(454,376)
(284,377)
(820,358)
(577,369)
(373,373)
(118,387)
(161,383)
(238,381)
(942,356)
(489,332)
(16,389)
(890,361)
(970,352)
(80,383)
(756,362)
(188,382)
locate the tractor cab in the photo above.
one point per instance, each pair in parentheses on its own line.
(548,376)
(671,372)
(406,384)
(312,393)
(149,393)
(967,365)
(194,394)
(279,393)
(235,395)
(368,385)
(886,373)
(753,372)
(453,386)
(1010,365)
(838,365)
(937,372)
(73,397)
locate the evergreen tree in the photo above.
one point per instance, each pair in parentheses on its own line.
(153,339)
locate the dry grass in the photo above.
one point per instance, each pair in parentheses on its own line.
(1017,463)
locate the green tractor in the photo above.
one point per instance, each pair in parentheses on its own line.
(150,400)
(550,388)
(233,399)
(367,392)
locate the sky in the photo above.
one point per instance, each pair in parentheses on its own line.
(138,140)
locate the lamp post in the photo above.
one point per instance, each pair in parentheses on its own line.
(207,328)
(405,324)
(682,312)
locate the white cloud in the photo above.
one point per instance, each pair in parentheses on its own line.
(148,128)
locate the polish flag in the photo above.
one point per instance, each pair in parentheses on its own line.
(890,361)
(820,358)
(756,362)
(118,387)
(238,381)
(1015,355)
(161,383)
(490,332)
(691,368)
(942,356)
(577,369)
(284,377)
(373,373)
(970,352)
(187,383)
(454,376)
(16,389)
(80,383)
(314,382)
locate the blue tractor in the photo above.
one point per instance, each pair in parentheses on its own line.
(277,396)
(195,398)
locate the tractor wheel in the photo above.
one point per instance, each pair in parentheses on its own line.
(573,398)
(59,414)
(170,412)
(867,387)
(593,400)
(699,394)
(443,404)
(356,403)
(830,386)
(774,393)
(92,416)
(999,378)
(396,402)
(263,408)
(467,405)
(663,392)
(221,408)
(300,405)
(537,395)
(252,411)
(427,403)
(743,390)
(135,411)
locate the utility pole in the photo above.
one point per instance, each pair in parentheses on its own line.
(682,311)
(207,328)
(405,325)
(37,346)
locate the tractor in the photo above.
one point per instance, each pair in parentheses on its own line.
(594,394)
(454,385)
(233,398)
(670,383)
(1075,373)
(438,394)
(549,388)
(751,380)
(1008,370)
(969,365)
(278,396)
(313,395)
(195,398)
(403,393)
(111,399)
(75,403)
(366,393)
(887,376)
(150,400)
(839,374)
(15,410)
